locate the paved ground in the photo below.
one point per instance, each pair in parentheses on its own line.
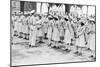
(22,55)
(44,54)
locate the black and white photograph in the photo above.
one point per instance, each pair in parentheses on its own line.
(51,33)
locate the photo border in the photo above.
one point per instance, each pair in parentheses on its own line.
(48,63)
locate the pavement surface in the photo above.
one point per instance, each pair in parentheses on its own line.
(22,55)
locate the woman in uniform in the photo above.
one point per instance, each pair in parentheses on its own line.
(80,41)
(33,31)
(15,24)
(40,30)
(67,36)
(21,25)
(91,35)
(55,35)
(26,28)
(49,33)
(61,30)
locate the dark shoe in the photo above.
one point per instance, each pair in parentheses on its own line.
(71,44)
(76,52)
(14,35)
(88,49)
(67,50)
(80,54)
(40,42)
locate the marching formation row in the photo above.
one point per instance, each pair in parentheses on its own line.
(57,28)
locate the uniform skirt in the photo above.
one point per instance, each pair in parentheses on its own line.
(49,34)
(80,41)
(33,33)
(40,33)
(55,35)
(67,37)
(91,41)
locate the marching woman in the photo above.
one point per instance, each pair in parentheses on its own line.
(91,36)
(18,22)
(55,34)
(67,36)
(80,41)
(13,20)
(49,34)
(15,24)
(26,28)
(45,27)
(71,32)
(40,31)
(21,25)
(61,30)
(33,31)
(91,39)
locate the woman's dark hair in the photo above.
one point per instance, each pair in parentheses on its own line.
(82,24)
(39,16)
(65,19)
(55,18)
(92,21)
(78,19)
(50,18)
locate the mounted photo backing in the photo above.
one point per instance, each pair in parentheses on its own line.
(51,33)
